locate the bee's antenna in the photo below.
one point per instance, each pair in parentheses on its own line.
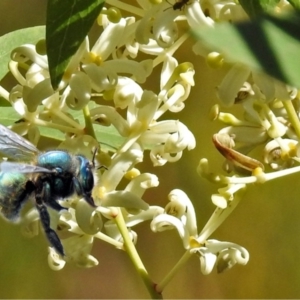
(115,148)
(94,156)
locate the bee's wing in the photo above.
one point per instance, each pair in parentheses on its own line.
(14,167)
(14,146)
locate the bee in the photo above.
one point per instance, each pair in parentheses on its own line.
(51,176)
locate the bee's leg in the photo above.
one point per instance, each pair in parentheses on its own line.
(49,200)
(45,218)
(53,204)
(50,233)
(87,196)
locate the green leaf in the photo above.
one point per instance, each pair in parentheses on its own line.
(295,4)
(67,24)
(4,102)
(8,116)
(108,137)
(271,45)
(17,38)
(255,8)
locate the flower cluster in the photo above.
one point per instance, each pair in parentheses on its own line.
(110,71)
(260,145)
(179,214)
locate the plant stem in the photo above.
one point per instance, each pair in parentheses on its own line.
(160,286)
(135,258)
(288,105)
(89,129)
(63,128)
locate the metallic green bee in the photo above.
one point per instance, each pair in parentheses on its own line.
(51,176)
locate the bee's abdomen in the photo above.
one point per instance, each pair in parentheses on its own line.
(14,190)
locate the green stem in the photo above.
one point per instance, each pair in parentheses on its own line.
(160,58)
(62,128)
(160,286)
(64,117)
(4,93)
(135,258)
(219,216)
(288,105)
(89,129)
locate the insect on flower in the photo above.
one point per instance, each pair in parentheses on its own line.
(179,5)
(49,177)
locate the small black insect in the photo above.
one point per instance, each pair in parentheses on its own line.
(51,176)
(179,5)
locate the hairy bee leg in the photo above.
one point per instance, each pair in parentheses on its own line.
(48,200)
(87,197)
(53,204)
(50,233)
(43,190)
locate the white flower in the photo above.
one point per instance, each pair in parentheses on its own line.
(179,214)
(225,10)
(196,16)
(77,250)
(223,254)
(281,154)
(232,83)
(269,128)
